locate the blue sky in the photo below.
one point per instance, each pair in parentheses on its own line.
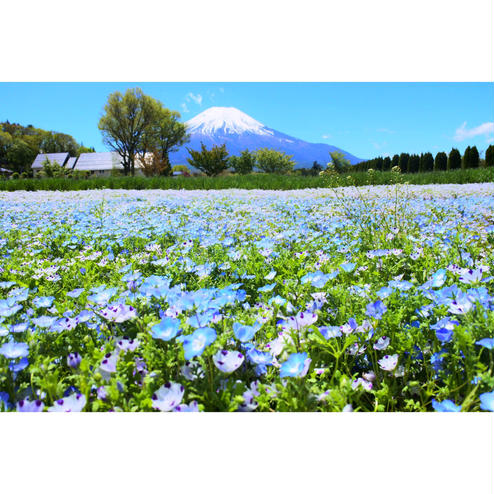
(365,119)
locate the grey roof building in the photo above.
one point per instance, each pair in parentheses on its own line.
(70,163)
(98,162)
(60,158)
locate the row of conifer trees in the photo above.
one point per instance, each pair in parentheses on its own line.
(426,162)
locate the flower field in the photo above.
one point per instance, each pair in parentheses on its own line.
(367,299)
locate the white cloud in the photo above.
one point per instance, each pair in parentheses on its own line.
(196,98)
(463,133)
(221,90)
(386,131)
(326,136)
(184,108)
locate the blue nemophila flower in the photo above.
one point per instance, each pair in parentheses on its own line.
(167,329)
(250,404)
(317,279)
(382,343)
(348,267)
(43,302)
(19,328)
(126,345)
(444,329)
(384,292)
(13,350)
(257,357)
(102,297)
(375,309)
(108,365)
(301,320)
(245,333)
(167,397)
(487,401)
(196,343)
(486,342)
(30,406)
(193,406)
(73,403)
(461,305)
(270,275)
(76,293)
(119,313)
(203,319)
(227,361)
(64,324)
(43,321)
(470,276)
(16,367)
(4,401)
(9,307)
(74,360)
(330,331)
(445,406)
(388,362)
(266,288)
(295,365)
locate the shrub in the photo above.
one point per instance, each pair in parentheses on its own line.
(244,163)
(212,162)
(183,169)
(272,161)
(339,161)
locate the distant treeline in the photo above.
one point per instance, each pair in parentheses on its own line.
(19,145)
(426,162)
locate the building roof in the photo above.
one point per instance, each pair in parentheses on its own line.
(98,161)
(70,163)
(60,158)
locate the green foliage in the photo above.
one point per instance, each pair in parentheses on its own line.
(340,163)
(454,159)
(52,169)
(183,169)
(272,161)
(426,162)
(251,181)
(440,162)
(135,125)
(210,161)
(244,163)
(489,156)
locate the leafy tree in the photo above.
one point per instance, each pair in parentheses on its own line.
(403,163)
(20,156)
(272,161)
(56,142)
(386,164)
(212,162)
(153,164)
(84,149)
(244,163)
(167,135)
(339,161)
(440,162)
(53,169)
(454,159)
(489,156)
(127,124)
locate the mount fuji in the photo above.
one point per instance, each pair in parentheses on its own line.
(220,125)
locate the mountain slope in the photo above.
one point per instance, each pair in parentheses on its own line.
(239,131)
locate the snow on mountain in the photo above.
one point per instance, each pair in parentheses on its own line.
(225,120)
(239,131)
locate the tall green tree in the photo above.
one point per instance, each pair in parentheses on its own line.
(426,162)
(57,142)
(465,162)
(414,163)
(454,159)
(403,163)
(128,122)
(386,164)
(474,158)
(210,161)
(395,161)
(489,156)
(440,162)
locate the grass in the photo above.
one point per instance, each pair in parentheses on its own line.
(252,181)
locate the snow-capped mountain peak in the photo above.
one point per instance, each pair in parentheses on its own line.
(226,120)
